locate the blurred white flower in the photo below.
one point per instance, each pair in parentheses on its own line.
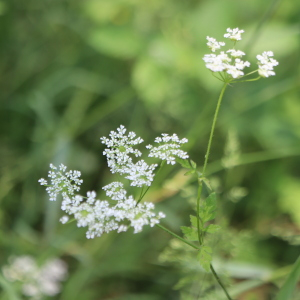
(266,64)
(233,34)
(36,281)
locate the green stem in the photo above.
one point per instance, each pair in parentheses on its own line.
(145,192)
(177,236)
(197,248)
(200,234)
(219,281)
(213,127)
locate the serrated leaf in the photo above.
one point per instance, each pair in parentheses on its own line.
(193,221)
(183,162)
(212,228)
(204,257)
(208,208)
(211,200)
(190,233)
(206,216)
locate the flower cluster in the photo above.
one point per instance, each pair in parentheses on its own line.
(121,211)
(36,281)
(266,64)
(101,216)
(120,146)
(230,62)
(66,183)
(168,148)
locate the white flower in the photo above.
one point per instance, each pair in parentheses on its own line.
(240,65)
(64,219)
(266,64)
(43,181)
(66,183)
(234,71)
(119,147)
(168,149)
(36,281)
(91,196)
(115,191)
(141,173)
(235,53)
(222,62)
(101,216)
(213,44)
(233,34)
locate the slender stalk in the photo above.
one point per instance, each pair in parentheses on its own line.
(200,234)
(177,236)
(219,281)
(213,128)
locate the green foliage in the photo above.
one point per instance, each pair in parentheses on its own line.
(208,208)
(288,289)
(204,257)
(72,70)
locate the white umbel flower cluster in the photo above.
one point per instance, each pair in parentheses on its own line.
(66,183)
(168,149)
(230,62)
(101,216)
(120,147)
(266,64)
(36,281)
(234,34)
(120,211)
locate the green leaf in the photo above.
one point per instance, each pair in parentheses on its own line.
(183,162)
(211,200)
(193,164)
(288,288)
(190,172)
(194,221)
(208,208)
(212,228)
(204,257)
(190,233)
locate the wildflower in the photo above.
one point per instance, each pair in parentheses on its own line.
(213,45)
(141,173)
(235,53)
(61,181)
(115,190)
(233,34)
(102,216)
(266,64)
(119,147)
(36,281)
(168,149)
(231,63)
(64,219)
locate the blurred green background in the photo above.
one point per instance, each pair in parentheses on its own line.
(73,70)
